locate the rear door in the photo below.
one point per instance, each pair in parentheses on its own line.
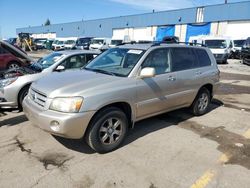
(186,68)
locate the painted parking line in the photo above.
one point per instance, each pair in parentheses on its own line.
(204,180)
(208,176)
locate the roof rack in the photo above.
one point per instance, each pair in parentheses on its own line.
(187,43)
(157,43)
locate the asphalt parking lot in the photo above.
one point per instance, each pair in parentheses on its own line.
(171,150)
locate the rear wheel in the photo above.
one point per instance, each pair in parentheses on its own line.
(107,130)
(201,103)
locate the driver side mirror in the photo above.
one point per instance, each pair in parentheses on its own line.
(60,68)
(147,72)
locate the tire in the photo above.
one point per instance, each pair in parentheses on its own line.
(22,94)
(13,65)
(102,129)
(201,103)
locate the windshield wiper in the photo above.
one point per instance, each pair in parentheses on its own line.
(101,71)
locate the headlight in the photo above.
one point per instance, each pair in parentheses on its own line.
(6,82)
(66,104)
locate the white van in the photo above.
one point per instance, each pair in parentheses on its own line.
(59,44)
(114,42)
(221,47)
(70,43)
(99,43)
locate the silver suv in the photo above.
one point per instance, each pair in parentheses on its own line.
(120,87)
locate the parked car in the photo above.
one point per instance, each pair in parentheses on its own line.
(221,47)
(70,43)
(99,43)
(16,84)
(10,58)
(120,87)
(54,44)
(237,47)
(60,45)
(12,41)
(40,43)
(82,43)
(246,52)
(115,42)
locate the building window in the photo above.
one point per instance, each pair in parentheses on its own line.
(200,15)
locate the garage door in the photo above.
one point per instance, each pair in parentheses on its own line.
(119,33)
(141,34)
(164,31)
(238,30)
(197,29)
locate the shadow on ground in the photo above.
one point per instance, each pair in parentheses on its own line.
(141,128)
(13,121)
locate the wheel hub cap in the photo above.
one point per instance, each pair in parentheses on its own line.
(110,131)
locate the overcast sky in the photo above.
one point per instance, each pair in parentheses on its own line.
(24,13)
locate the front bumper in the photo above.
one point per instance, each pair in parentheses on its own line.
(68,125)
(221,58)
(8,99)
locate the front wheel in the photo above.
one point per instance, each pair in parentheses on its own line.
(201,103)
(13,65)
(21,96)
(107,130)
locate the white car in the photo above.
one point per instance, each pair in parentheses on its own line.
(70,43)
(99,43)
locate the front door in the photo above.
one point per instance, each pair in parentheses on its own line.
(156,94)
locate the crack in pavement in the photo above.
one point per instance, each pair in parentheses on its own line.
(55,159)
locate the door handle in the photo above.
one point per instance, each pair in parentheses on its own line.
(171,78)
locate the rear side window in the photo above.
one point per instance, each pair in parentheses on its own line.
(183,59)
(203,58)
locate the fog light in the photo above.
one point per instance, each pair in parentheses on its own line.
(54,125)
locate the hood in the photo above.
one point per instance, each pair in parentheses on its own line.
(96,45)
(15,51)
(72,83)
(219,51)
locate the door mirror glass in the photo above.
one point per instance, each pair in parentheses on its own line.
(60,68)
(147,72)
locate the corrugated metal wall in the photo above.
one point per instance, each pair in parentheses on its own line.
(104,27)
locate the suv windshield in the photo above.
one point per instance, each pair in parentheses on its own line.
(60,42)
(97,41)
(116,42)
(82,41)
(239,43)
(70,42)
(216,43)
(47,61)
(117,61)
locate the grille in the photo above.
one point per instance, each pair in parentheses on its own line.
(218,55)
(37,97)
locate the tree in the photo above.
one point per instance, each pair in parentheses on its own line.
(47,22)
